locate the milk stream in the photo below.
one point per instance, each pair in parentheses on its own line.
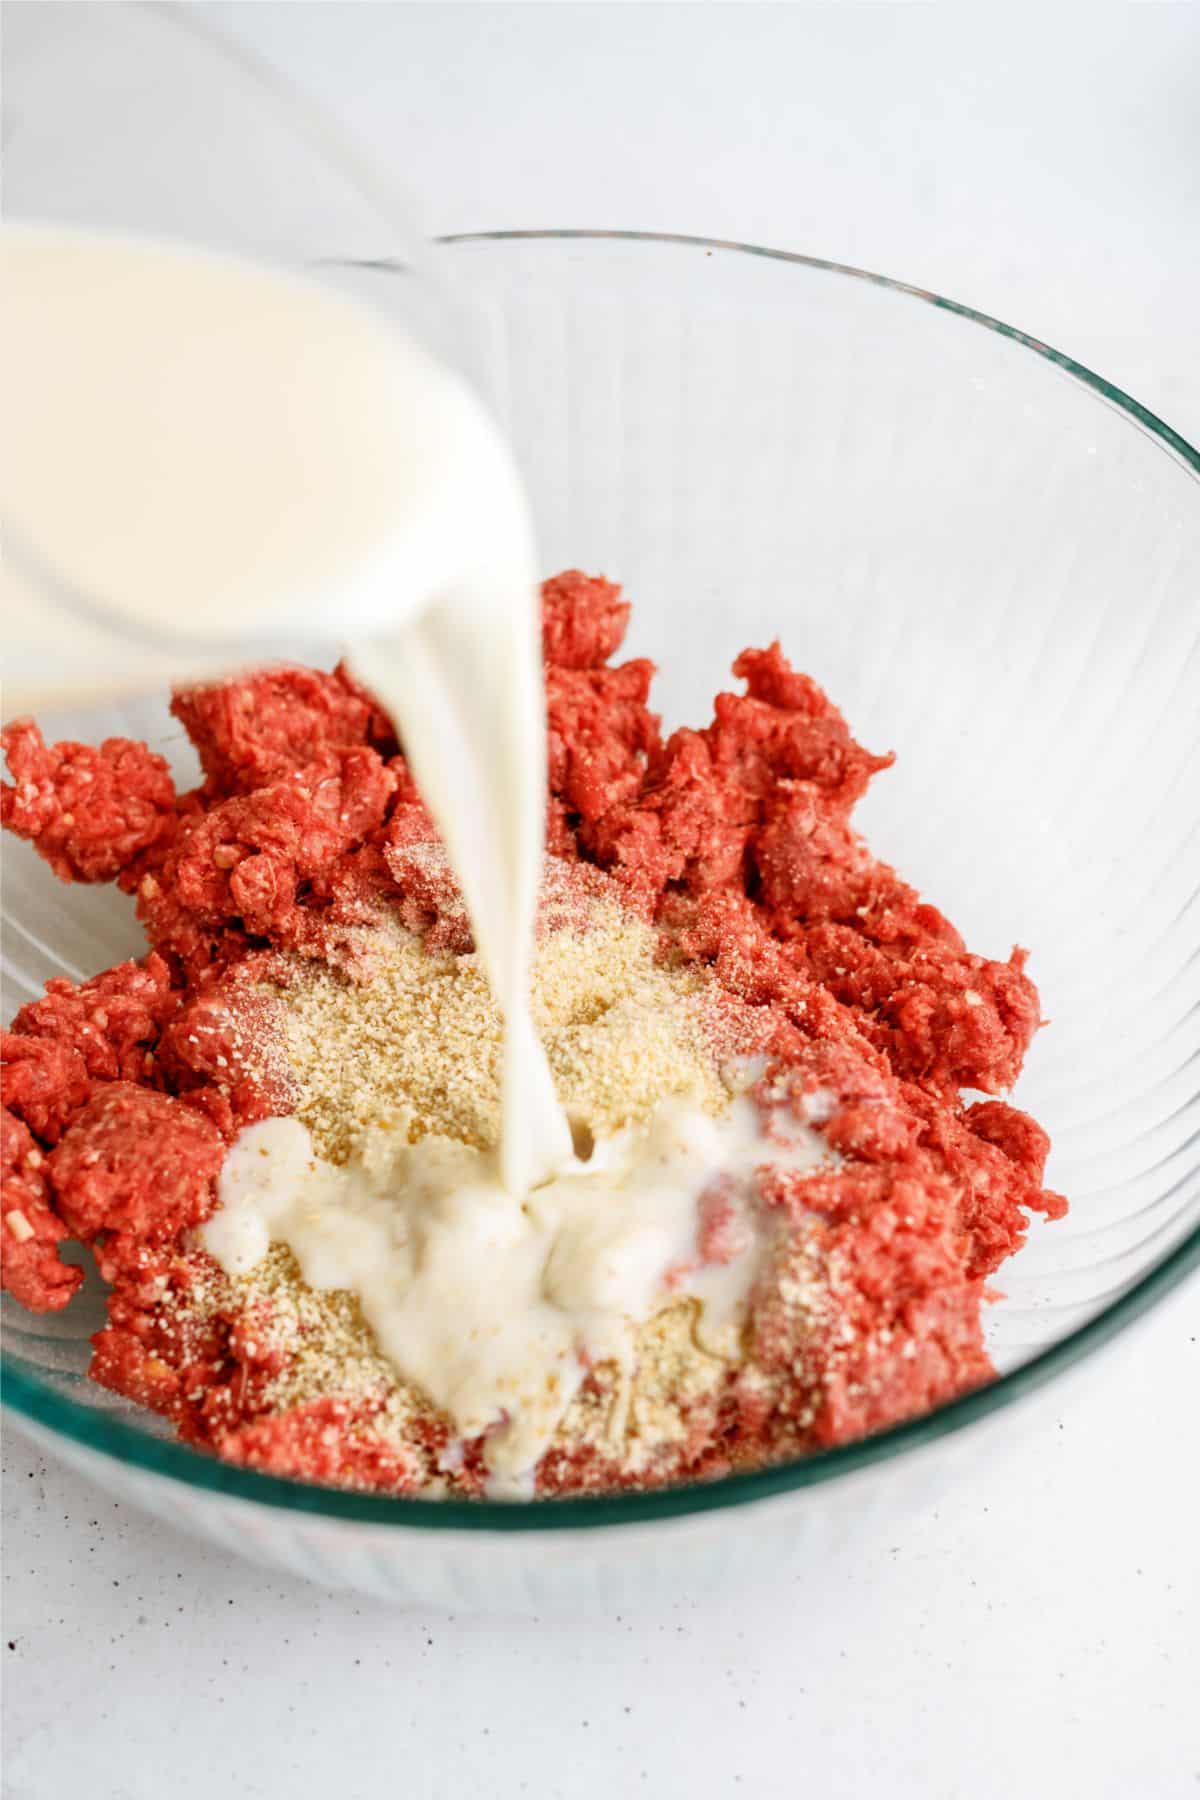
(207,463)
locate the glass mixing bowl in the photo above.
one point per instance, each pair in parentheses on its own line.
(991,558)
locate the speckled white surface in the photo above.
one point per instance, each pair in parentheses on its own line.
(1040,1635)
(1037,1637)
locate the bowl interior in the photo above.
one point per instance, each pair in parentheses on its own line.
(993,566)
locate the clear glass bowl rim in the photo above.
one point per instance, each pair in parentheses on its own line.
(95,1431)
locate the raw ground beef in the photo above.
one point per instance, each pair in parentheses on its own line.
(122,1093)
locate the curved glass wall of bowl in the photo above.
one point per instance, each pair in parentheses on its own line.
(991,560)
(988,569)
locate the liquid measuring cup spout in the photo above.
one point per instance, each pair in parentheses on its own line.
(210,463)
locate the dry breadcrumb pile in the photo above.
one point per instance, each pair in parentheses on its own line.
(417,1050)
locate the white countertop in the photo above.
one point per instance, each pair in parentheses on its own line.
(1039,1634)
(1035,1637)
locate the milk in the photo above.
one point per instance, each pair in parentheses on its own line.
(498,1309)
(203,461)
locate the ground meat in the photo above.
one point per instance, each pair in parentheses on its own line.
(89,812)
(583,620)
(137,1164)
(257,731)
(112,1021)
(602,736)
(735,838)
(248,863)
(689,828)
(900,1330)
(161,1346)
(30,1230)
(325,1440)
(122,1362)
(205,1053)
(46,1081)
(943,1016)
(785,729)
(760,801)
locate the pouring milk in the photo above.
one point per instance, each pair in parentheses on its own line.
(202,460)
